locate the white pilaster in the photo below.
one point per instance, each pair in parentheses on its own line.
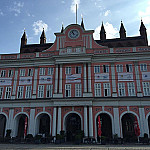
(54,122)
(116,121)
(60,80)
(90,122)
(10,120)
(59,121)
(139,92)
(35,83)
(114,91)
(32,122)
(15,84)
(56,80)
(89,78)
(85,122)
(85,81)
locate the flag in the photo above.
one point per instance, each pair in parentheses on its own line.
(102,77)
(99,126)
(136,127)
(125,76)
(73,78)
(145,75)
(25,126)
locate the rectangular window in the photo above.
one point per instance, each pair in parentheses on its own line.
(131,89)
(106,87)
(121,89)
(40,91)
(119,68)
(28,92)
(22,72)
(78,90)
(97,69)
(10,73)
(69,50)
(42,71)
(68,90)
(8,92)
(97,89)
(105,68)
(68,70)
(3,73)
(78,70)
(50,71)
(143,67)
(146,89)
(49,90)
(129,68)
(30,72)
(1,92)
(20,92)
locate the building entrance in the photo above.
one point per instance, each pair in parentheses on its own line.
(2,125)
(73,125)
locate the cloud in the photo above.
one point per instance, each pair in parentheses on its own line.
(1,13)
(73,5)
(107,13)
(38,27)
(63,2)
(17,6)
(111,32)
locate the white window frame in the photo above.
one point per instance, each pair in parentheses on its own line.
(1,92)
(78,90)
(97,69)
(42,71)
(3,73)
(97,89)
(119,68)
(30,72)
(143,67)
(146,88)
(49,90)
(106,87)
(50,71)
(131,89)
(40,91)
(22,72)
(28,93)
(68,70)
(105,68)
(129,68)
(78,69)
(8,92)
(10,73)
(20,92)
(121,89)
(67,90)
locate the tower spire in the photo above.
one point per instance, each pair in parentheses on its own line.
(23,39)
(82,23)
(43,37)
(122,31)
(102,33)
(62,29)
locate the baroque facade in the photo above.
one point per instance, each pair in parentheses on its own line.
(67,84)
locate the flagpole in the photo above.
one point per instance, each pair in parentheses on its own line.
(76,13)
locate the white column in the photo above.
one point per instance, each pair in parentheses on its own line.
(139,92)
(10,120)
(54,122)
(116,122)
(89,78)
(35,83)
(15,84)
(90,122)
(60,80)
(59,121)
(85,122)
(143,122)
(114,91)
(32,122)
(56,80)
(85,81)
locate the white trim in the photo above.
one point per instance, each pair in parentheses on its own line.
(146,118)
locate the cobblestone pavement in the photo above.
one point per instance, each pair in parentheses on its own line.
(71,147)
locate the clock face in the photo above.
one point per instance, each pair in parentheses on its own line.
(73,34)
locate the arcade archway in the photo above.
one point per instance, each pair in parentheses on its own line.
(73,125)
(43,124)
(149,123)
(2,125)
(106,126)
(128,132)
(22,125)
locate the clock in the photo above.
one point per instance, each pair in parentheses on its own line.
(73,34)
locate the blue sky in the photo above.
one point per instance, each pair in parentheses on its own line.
(33,15)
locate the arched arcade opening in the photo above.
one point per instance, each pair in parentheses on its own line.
(2,125)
